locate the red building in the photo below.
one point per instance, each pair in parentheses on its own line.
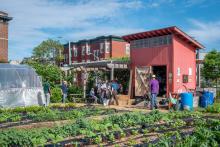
(4,36)
(169,53)
(99,48)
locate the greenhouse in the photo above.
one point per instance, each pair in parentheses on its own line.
(20,86)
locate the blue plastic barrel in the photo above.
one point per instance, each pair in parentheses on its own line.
(186,101)
(206,99)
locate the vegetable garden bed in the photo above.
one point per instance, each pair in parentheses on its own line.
(42,114)
(127,129)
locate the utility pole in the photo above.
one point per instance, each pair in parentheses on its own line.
(70,54)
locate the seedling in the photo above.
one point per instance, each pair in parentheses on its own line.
(134,132)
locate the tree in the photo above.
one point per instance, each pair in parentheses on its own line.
(51,73)
(49,50)
(211,68)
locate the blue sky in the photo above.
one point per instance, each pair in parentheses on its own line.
(37,20)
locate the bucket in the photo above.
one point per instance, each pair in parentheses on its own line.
(186,101)
(206,99)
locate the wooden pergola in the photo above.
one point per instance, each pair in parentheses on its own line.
(104,65)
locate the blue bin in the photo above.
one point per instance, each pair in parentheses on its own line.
(206,99)
(186,101)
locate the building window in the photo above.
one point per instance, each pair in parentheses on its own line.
(65,57)
(96,54)
(88,50)
(75,52)
(83,50)
(83,60)
(88,60)
(127,49)
(101,47)
(152,42)
(107,47)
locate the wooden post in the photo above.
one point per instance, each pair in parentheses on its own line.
(112,73)
(130,84)
(84,83)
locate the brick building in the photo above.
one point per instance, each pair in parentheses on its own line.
(99,48)
(4,36)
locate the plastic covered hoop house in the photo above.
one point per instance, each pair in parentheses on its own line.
(20,86)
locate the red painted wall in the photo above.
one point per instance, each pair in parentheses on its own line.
(184,58)
(152,57)
(118,49)
(177,55)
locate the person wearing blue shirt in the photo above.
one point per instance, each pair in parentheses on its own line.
(115,87)
(64,90)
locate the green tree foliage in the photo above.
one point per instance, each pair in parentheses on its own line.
(211,69)
(49,50)
(51,73)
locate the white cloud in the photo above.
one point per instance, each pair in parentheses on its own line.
(206,32)
(32,17)
(158,3)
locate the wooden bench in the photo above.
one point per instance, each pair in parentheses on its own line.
(76,98)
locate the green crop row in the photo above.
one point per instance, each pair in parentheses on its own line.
(88,128)
(38,108)
(205,134)
(50,115)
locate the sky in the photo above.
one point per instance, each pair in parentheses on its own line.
(72,20)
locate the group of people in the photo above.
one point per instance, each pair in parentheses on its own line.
(47,91)
(106,92)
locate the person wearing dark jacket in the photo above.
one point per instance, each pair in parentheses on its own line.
(47,92)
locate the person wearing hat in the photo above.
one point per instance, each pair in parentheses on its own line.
(64,90)
(154,89)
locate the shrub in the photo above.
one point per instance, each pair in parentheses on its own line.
(75,90)
(56,95)
(214,108)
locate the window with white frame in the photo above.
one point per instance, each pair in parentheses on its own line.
(75,52)
(88,50)
(65,57)
(107,47)
(127,49)
(83,50)
(96,54)
(101,47)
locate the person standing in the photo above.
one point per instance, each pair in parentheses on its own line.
(47,92)
(93,96)
(115,88)
(154,89)
(64,90)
